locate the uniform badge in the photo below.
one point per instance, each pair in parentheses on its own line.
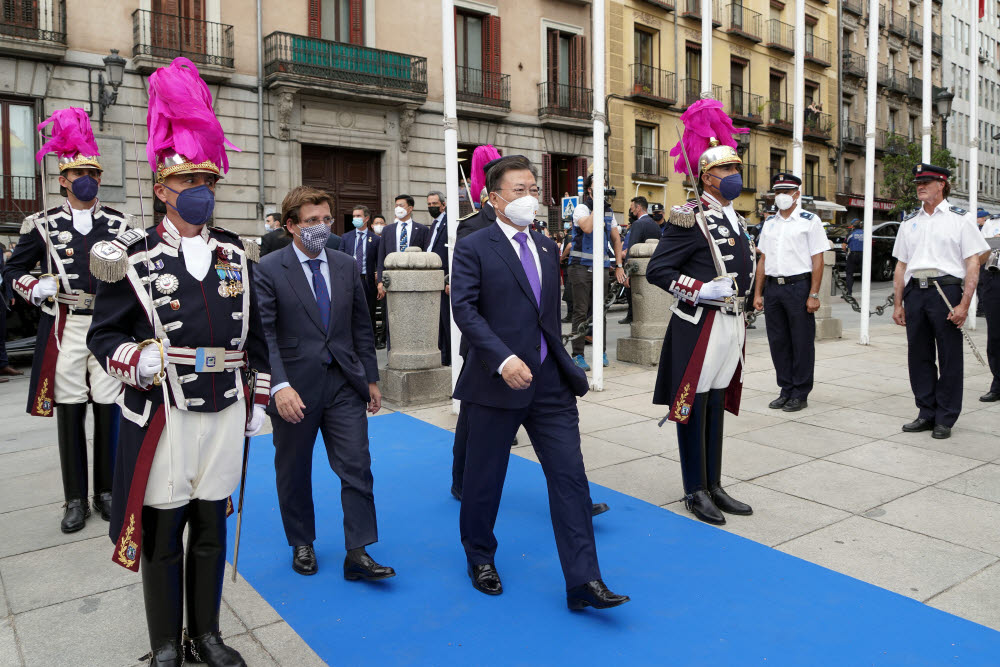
(69,252)
(65,237)
(175,305)
(732,241)
(723,230)
(167,283)
(155,266)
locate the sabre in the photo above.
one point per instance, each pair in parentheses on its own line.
(48,238)
(467,188)
(243,487)
(965,334)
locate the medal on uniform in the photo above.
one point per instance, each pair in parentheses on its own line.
(65,237)
(167,283)
(175,305)
(224,289)
(69,252)
(732,241)
(723,230)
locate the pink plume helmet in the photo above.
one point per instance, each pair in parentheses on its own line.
(480,158)
(184,134)
(71,139)
(706,126)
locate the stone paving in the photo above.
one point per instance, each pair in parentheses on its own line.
(837,484)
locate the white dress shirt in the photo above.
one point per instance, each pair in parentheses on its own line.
(197,256)
(409,232)
(789,244)
(991,228)
(436,229)
(83,220)
(324,268)
(941,240)
(510,231)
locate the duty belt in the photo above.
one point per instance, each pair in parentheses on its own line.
(923,278)
(736,305)
(206,359)
(77,302)
(787,280)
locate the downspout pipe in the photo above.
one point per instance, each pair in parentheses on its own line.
(260,115)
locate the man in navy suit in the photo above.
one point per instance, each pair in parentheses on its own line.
(320,340)
(362,244)
(403,233)
(438,243)
(505,298)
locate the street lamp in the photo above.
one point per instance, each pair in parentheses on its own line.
(114,67)
(943,102)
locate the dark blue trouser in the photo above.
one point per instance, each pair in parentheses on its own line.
(989,297)
(553,425)
(4,361)
(939,397)
(791,335)
(853,266)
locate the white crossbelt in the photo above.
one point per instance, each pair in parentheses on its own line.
(206,359)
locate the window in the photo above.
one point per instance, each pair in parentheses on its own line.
(810,177)
(692,62)
(337,20)
(777,162)
(179,25)
(646,155)
(777,83)
(477,54)
(566,70)
(469,40)
(19,193)
(737,77)
(644,52)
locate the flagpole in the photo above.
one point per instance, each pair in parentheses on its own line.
(706,48)
(450,122)
(870,131)
(799,94)
(599,242)
(927,82)
(974,135)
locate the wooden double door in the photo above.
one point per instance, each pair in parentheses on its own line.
(352,177)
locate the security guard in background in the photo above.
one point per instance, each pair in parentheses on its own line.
(65,376)
(938,247)
(792,243)
(854,245)
(989,295)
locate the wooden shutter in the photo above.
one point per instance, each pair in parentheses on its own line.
(577,168)
(578,72)
(357,22)
(491,57)
(547,178)
(552,68)
(165,24)
(315,18)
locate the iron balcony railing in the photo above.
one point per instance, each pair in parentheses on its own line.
(916,88)
(854,6)
(895,144)
(780,36)
(916,33)
(855,64)
(658,85)
(168,36)
(818,50)
(813,186)
(560,99)
(481,87)
(817,124)
(20,196)
(779,115)
(936,43)
(30,19)
(691,9)
(285,53)
(899,82)
(745,106)
(897,23)
(881,16)
(848,185)
(665,4)
(651,162)
(744,22)
(692,91)
(884,75)
(749,177)
(853,133)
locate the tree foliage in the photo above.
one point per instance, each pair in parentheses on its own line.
(901,156)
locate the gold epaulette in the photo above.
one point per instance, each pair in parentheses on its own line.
(252,250)
(683,216)
(109,261)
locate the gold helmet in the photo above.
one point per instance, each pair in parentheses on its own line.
(717,154)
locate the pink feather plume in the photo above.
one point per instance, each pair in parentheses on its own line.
(702,121)
(181,118)
(71,134)
(480,157)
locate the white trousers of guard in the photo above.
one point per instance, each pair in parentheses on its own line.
(722,356)
(75,363)
(200,458)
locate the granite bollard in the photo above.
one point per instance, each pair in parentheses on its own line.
(650,311)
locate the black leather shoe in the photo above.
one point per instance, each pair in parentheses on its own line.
(359,565)
(728,504)
(456,494)
(102,505)
(598,508)
(593,594)
(514,444)
(168,655)
(75,517)
(210,649)
(794,405)
(304,560)
(568,319)
(917,425)
(941,432)
(486,579)
(700,504)
(990,397)
(778,403)
(626,320)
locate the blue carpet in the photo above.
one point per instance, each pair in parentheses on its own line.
(700,596)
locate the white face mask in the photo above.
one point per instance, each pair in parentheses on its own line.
(784,201)
(522,210)
(400,212)
(378,228)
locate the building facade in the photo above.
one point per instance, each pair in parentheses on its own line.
(957,73)
(654,73)
(352,98)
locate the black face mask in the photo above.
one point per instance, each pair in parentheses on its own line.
(632,217)
(435,211)
(658,217)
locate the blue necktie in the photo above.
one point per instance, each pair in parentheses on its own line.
(322,295)
(403,243)
(359,246)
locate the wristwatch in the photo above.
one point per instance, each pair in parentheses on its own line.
(814,296)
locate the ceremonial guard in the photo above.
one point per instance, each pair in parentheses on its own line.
(938,247)
(177,322)
(792,243)
(989,295)
(65,376)
(705,259)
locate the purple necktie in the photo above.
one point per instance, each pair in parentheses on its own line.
(530,270)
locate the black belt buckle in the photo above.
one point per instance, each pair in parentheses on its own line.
(922,283)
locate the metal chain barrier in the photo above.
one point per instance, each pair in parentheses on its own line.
(609,300)
(842,286)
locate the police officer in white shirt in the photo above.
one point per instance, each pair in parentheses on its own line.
(989,299)
(791,248)
(938,247)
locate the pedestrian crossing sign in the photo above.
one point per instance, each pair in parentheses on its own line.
(568,206)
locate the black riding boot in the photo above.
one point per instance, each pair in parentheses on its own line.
(105,444)
(206,566)
(713,440)
(70,419)
(163,582)
(691,444)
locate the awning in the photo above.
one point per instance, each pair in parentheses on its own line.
(823,205)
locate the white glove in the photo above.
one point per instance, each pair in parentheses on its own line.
(256,422)
(43,289)
(717,289)
(150,363)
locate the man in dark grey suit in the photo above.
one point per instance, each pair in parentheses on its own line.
(320,340)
